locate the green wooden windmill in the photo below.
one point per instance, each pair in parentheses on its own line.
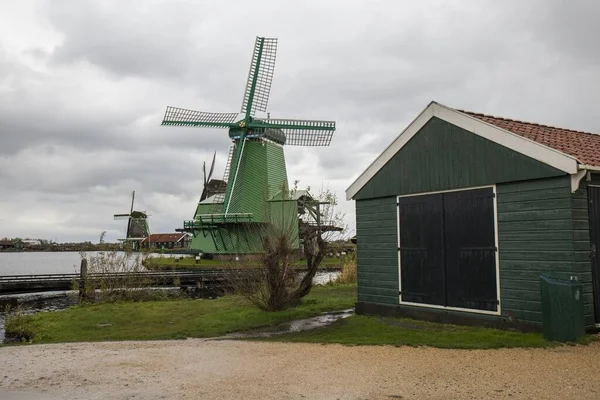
(257,192)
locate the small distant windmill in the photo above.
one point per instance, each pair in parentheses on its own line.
(255,175)
(137,225)
(211,187)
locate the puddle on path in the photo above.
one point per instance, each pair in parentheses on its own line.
(320,321)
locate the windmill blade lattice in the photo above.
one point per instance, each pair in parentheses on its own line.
(302,132)
(262,68)
(183,117)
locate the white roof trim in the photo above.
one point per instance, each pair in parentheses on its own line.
(589,167)
(518,143)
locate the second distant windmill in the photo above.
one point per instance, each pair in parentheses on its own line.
(137,226)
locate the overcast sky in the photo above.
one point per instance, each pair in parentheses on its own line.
(84,85)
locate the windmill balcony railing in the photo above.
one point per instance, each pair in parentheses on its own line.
(204,220)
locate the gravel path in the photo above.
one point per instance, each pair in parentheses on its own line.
(203,369)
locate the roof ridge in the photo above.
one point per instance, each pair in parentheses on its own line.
(523,122)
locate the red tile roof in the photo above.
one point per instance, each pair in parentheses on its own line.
(582,145)
(164,237)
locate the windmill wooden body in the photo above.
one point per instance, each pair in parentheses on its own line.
(137,226)
(256,191)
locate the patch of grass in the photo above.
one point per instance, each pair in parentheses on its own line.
(163,263)
(366,330)
(177,319)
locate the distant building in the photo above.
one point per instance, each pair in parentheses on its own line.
(166,241)
(31,242)
(11,244)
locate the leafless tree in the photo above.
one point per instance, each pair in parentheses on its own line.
(272,282)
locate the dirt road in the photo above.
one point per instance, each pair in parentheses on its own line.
(200,369)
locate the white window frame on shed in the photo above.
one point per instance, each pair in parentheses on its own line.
(469,310)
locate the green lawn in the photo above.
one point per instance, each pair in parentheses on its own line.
(161,263)
(364,330)
(177,319)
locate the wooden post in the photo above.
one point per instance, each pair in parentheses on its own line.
(83,280)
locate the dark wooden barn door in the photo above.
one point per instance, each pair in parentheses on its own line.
(421,249)
(594,213)
(447,249)
(470,249)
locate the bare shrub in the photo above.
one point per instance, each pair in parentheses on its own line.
(117,276)
(273,283)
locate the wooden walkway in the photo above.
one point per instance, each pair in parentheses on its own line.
(15,284)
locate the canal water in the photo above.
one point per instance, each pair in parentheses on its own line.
(28,263)
(64,262)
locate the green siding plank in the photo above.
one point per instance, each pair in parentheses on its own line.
(581,225)
(533,195)
(582,235)
(548,244)
(538,255)
(367,298)
(507,275)
(580,214)
(532,317)
(581,246)
(388,267)
(519,284)
(534,215)
(536,236)
(541,225)
(563,203)
(380,277)
(523,305)
(383,274)
(539,186)
(379,291)
(583,256)
(520,294)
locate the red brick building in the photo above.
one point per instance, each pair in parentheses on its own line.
(166,241)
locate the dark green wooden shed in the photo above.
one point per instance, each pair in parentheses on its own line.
(462,212)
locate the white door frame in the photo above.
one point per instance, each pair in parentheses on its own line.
(495,201)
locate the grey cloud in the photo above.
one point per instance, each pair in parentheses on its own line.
(125,37)
(79,117)
(569,28)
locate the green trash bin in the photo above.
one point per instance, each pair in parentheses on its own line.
(562,308)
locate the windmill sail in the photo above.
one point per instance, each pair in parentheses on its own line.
(183,117)
(260,76)
(299,132)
